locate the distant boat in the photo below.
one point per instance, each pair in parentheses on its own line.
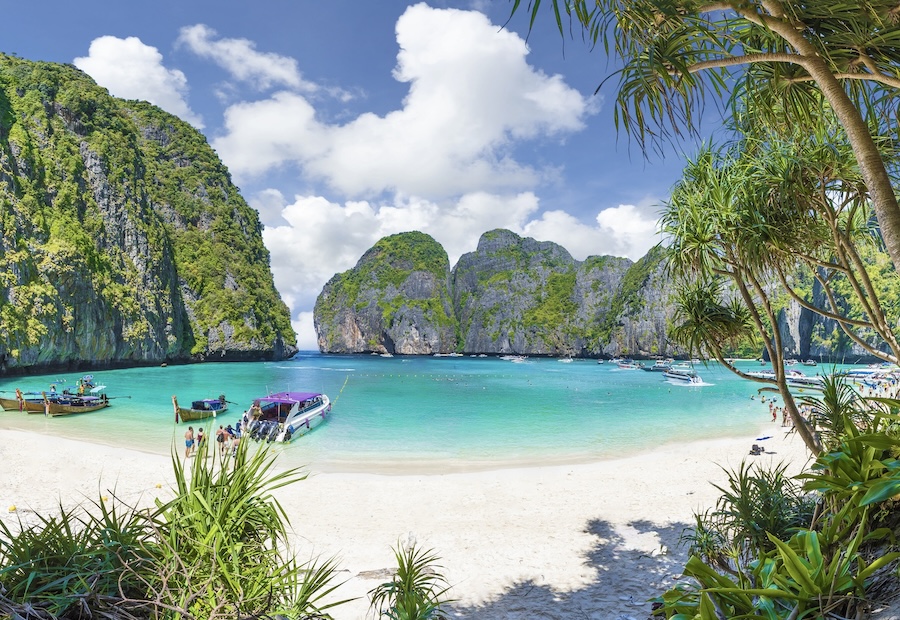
(659,366)
(565,360)
(630,365)
(809,362)
(200,409)
(682,375)
(284,416)
(515,359)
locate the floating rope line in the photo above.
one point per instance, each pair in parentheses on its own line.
(341,390)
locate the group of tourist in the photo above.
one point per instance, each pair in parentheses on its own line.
(227,438)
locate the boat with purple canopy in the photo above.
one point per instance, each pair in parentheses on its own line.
(284,416)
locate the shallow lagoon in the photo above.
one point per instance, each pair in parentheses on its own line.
(425,413)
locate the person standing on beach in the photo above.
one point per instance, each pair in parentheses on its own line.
(235,440)
(188,441)
(220,439)
(200,437)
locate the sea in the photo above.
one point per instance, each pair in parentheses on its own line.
(425,414)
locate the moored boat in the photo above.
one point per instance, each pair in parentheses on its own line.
(69,404)
(199,409)
(24,402)
(284,416)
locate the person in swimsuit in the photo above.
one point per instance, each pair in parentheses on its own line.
(220,439)
(188,441)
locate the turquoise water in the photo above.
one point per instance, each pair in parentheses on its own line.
(424,413)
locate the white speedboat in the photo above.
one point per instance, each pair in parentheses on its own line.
(659,366)
(682,375)
(284,416)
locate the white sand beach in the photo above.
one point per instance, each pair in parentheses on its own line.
(566,541)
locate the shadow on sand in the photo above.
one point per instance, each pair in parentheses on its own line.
(627,575)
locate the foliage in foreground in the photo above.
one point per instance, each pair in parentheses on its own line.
(417,589)
(218,549)
(746,564)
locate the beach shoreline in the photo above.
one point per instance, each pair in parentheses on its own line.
(564,541)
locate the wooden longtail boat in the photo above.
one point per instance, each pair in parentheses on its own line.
(200,409)
(68,405)
(31,402)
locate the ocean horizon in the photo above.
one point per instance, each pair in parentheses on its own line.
(423,413)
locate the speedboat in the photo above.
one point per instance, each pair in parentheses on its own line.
(630,365)
(200,409)
(682,375)
(284,416)
(659,366)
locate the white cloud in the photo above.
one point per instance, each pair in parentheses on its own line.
(472,98)
(130,69)
(305,329)
(241,59)
(264,135)
(625,230)
(634,230)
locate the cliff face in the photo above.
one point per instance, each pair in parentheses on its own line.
(515,295)
(395,300)
(124,240)
(512,295)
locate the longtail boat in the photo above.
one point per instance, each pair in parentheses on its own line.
(199,409)
(71,404)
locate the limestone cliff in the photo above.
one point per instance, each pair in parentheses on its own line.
(511,295)
(395,300)
(515,295)
(124,240)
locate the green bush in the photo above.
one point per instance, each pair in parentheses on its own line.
(218,549)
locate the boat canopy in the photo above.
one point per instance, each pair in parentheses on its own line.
(288,397)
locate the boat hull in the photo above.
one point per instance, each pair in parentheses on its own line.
(10,404)
(191,415)
(211,408)
(683,376)
(58,409)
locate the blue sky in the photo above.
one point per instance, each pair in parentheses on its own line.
(343,121)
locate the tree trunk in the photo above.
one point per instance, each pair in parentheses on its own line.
(871,165)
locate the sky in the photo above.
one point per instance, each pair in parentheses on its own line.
(344,121)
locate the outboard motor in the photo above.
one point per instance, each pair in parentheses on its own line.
(273,433)
(258,431)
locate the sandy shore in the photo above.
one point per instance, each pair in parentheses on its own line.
(573,541)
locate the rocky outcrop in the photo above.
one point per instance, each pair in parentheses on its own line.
(512,295)
(124,240)
(515,295)
(395,300)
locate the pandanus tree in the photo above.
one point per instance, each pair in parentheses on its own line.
(717,238)
(767,215)
(779,57)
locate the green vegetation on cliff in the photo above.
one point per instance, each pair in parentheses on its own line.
(123,237)
(383,278)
